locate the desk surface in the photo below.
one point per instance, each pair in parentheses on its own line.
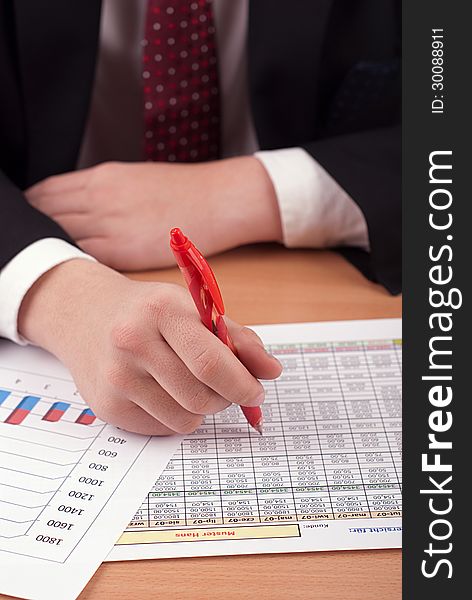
(285,286)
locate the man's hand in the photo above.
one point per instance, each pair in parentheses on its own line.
(138,353)
(122,213)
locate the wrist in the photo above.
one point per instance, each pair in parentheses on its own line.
(263,208)
(251,207)
(57,300)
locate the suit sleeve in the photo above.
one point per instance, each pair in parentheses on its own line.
(20,223)
(366,165)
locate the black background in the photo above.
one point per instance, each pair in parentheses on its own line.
(423,133)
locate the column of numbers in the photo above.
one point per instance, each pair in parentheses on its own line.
(166,501)
(237,480)
(385,375)
(203,504)
(271,465)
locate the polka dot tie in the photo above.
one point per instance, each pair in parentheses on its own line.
(181,96)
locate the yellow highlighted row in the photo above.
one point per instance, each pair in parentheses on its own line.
(209,521)
(215,533)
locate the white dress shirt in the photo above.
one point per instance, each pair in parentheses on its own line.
(315,211)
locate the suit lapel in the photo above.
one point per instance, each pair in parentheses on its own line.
(285,44)
(57,46)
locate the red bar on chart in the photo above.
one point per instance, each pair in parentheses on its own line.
(86,417)
(23,409)
(56,412)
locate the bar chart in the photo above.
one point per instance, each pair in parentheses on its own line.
(54,412)
(51,469)
(42,443)
(67,479)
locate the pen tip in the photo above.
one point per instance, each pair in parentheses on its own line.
(258,427)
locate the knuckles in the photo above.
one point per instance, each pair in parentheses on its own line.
(104,408)
(201,402)
(127,336)
(149,310)
(102,180)
(119,378)
(157,307)
(207,365)
(50,183)
(187,423)
(103,172)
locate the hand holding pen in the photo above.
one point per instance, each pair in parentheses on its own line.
(206,294)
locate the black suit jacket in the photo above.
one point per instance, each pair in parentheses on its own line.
(323,75)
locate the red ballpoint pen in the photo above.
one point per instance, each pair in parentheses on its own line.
(206,294)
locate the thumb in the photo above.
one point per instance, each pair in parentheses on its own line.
(251,352)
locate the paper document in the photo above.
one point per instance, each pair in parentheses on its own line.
(69,483)
(325,475)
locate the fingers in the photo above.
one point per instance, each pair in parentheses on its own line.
(127,415)
(166,367)
(60,184)
(251,352)
(146,393)
(174,370)
(62,203)
(78,226)
(210,361)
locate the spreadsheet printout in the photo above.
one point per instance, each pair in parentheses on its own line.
(69,483)
(326,474)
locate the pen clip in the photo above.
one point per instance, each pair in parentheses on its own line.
(211,299)
(202,283)
(209,290)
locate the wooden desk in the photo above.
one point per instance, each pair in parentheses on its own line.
(269,284)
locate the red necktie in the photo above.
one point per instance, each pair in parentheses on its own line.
(181,96)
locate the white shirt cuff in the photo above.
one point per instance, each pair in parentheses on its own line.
(22,271)
(315,211)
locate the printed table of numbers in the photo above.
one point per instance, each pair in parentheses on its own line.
(331,447)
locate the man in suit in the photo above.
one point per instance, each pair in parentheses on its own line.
(239,121)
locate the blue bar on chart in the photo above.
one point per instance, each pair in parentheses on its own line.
(23,409)
(56,412)
(3,396)
(86,417)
